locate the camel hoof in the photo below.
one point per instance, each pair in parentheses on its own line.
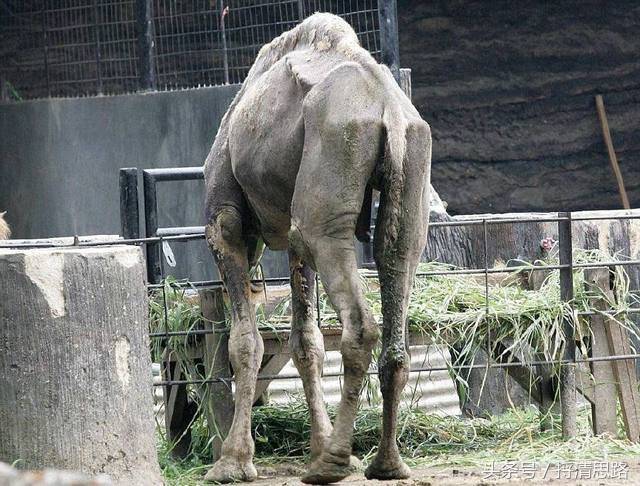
(324,471)
(386,471)
(230,470)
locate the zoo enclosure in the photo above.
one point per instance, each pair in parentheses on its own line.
(156,237)
(568,362)
(90,47)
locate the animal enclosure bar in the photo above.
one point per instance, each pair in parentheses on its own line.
(89,47)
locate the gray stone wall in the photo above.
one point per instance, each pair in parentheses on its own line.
(508,88)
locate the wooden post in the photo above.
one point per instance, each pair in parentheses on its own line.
(75,379)
(405,81)
(615,341)
(626,380)
(129,209)
(624,372)
(613,159)
(603,408)
(179,411)
(218,400)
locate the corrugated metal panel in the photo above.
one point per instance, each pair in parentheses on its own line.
(432,392)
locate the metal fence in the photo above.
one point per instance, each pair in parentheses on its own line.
(88,47)
(568,362)
(155,237)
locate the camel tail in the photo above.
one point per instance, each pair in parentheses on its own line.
(393,170)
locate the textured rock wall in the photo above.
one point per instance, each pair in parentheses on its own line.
(509,88)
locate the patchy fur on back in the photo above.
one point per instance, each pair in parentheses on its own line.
(320,31)
(5,231)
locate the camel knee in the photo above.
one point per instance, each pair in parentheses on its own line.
(245,349)
(307,348)
(358,341)
(394,366)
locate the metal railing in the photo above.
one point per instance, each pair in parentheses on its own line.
(566,266)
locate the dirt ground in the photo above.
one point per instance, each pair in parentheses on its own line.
(593,472)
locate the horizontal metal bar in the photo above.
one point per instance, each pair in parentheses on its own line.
(176,173)
(181,230)
(122,241)
(632,310)
(479,271)
(621,263)
(482,271)
(192,332)
(294,376)
(605,218)
(220,283)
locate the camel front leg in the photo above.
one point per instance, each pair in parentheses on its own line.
(225,237)
(307,349)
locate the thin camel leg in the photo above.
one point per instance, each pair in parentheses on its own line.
(307,349)
(337,267)
(399,241)
(225,237)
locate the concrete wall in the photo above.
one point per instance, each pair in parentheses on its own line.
(59,162)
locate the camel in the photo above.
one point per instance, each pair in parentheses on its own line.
(5,231)
(316,124)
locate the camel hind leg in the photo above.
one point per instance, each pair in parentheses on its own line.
(336,263)
(397,252)
(224,234)
(340,154)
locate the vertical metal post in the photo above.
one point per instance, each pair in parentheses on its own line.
(389,43)
(223,33)
(154,269)
(144,33)
(4,91)
(45,42)
(567,370)
(129,210)
(301,10)
(96,31)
